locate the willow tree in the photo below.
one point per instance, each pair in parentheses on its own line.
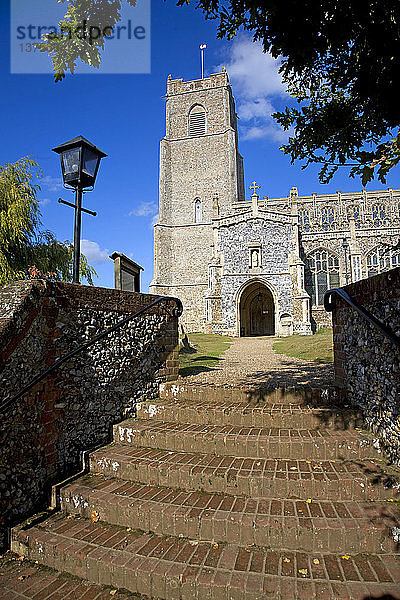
(24,248)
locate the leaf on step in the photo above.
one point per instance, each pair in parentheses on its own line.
(129,529)
(346,556)
(316,561)
(303,571)
(113,592)
(21,577)
(215,546)
(286,560)
(308,500)
(95,516)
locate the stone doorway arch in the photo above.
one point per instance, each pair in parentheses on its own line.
(256,311)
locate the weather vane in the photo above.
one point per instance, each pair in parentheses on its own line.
(202,48)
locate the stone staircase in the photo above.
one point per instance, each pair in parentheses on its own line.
(228,494)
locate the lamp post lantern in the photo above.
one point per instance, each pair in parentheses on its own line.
(346,246)
(80,161)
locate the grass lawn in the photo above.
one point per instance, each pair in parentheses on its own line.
(207,350)
(317,348)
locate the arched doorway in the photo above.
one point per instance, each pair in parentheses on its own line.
(257,311)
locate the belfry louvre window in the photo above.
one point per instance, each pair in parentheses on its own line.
(197,121)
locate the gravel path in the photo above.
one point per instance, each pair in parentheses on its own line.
(252,361)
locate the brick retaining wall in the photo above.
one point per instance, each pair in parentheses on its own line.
(44,433)
(366,363)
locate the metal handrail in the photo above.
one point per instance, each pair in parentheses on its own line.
(59,361)
(387,332)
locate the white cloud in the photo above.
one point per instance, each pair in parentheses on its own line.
(44,201)
(255,108)
(271,131)
(51,184)
(257,85)
(253,72)
(154,220)
(145,209)
(93,252)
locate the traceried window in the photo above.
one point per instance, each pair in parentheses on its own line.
(382,259)
(355,212)
(328,218)
(378,214)
(323,274)
(395,260)
(198,211)
(304,219)
(197,120)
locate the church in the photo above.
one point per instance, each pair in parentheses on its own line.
(253,266)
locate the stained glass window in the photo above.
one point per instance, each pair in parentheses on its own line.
(304,219)
(328,218)
(382,259)
(378,214)
(323,274)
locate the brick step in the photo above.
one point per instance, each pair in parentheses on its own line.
(298,525)
(248,414)
(305,395)
(178,568)
(252,442)
(26,580)
(256,478)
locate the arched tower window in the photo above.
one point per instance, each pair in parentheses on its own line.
(197,120)
(198,211)
(322,269)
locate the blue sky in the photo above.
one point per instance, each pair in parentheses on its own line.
(124,115)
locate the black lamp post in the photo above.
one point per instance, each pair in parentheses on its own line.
(80,162)
(346,246)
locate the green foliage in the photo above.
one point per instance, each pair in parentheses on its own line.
(316,348)
(22,244)
(66,48)
(206,356)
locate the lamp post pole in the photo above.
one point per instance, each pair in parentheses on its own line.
(77,234)
(80,160)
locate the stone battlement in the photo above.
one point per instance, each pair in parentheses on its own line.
(178,86)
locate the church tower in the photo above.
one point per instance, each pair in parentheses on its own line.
(201,177)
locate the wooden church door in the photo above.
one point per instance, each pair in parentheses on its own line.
(262,318)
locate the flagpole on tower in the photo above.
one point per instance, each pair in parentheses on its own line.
(202,48)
